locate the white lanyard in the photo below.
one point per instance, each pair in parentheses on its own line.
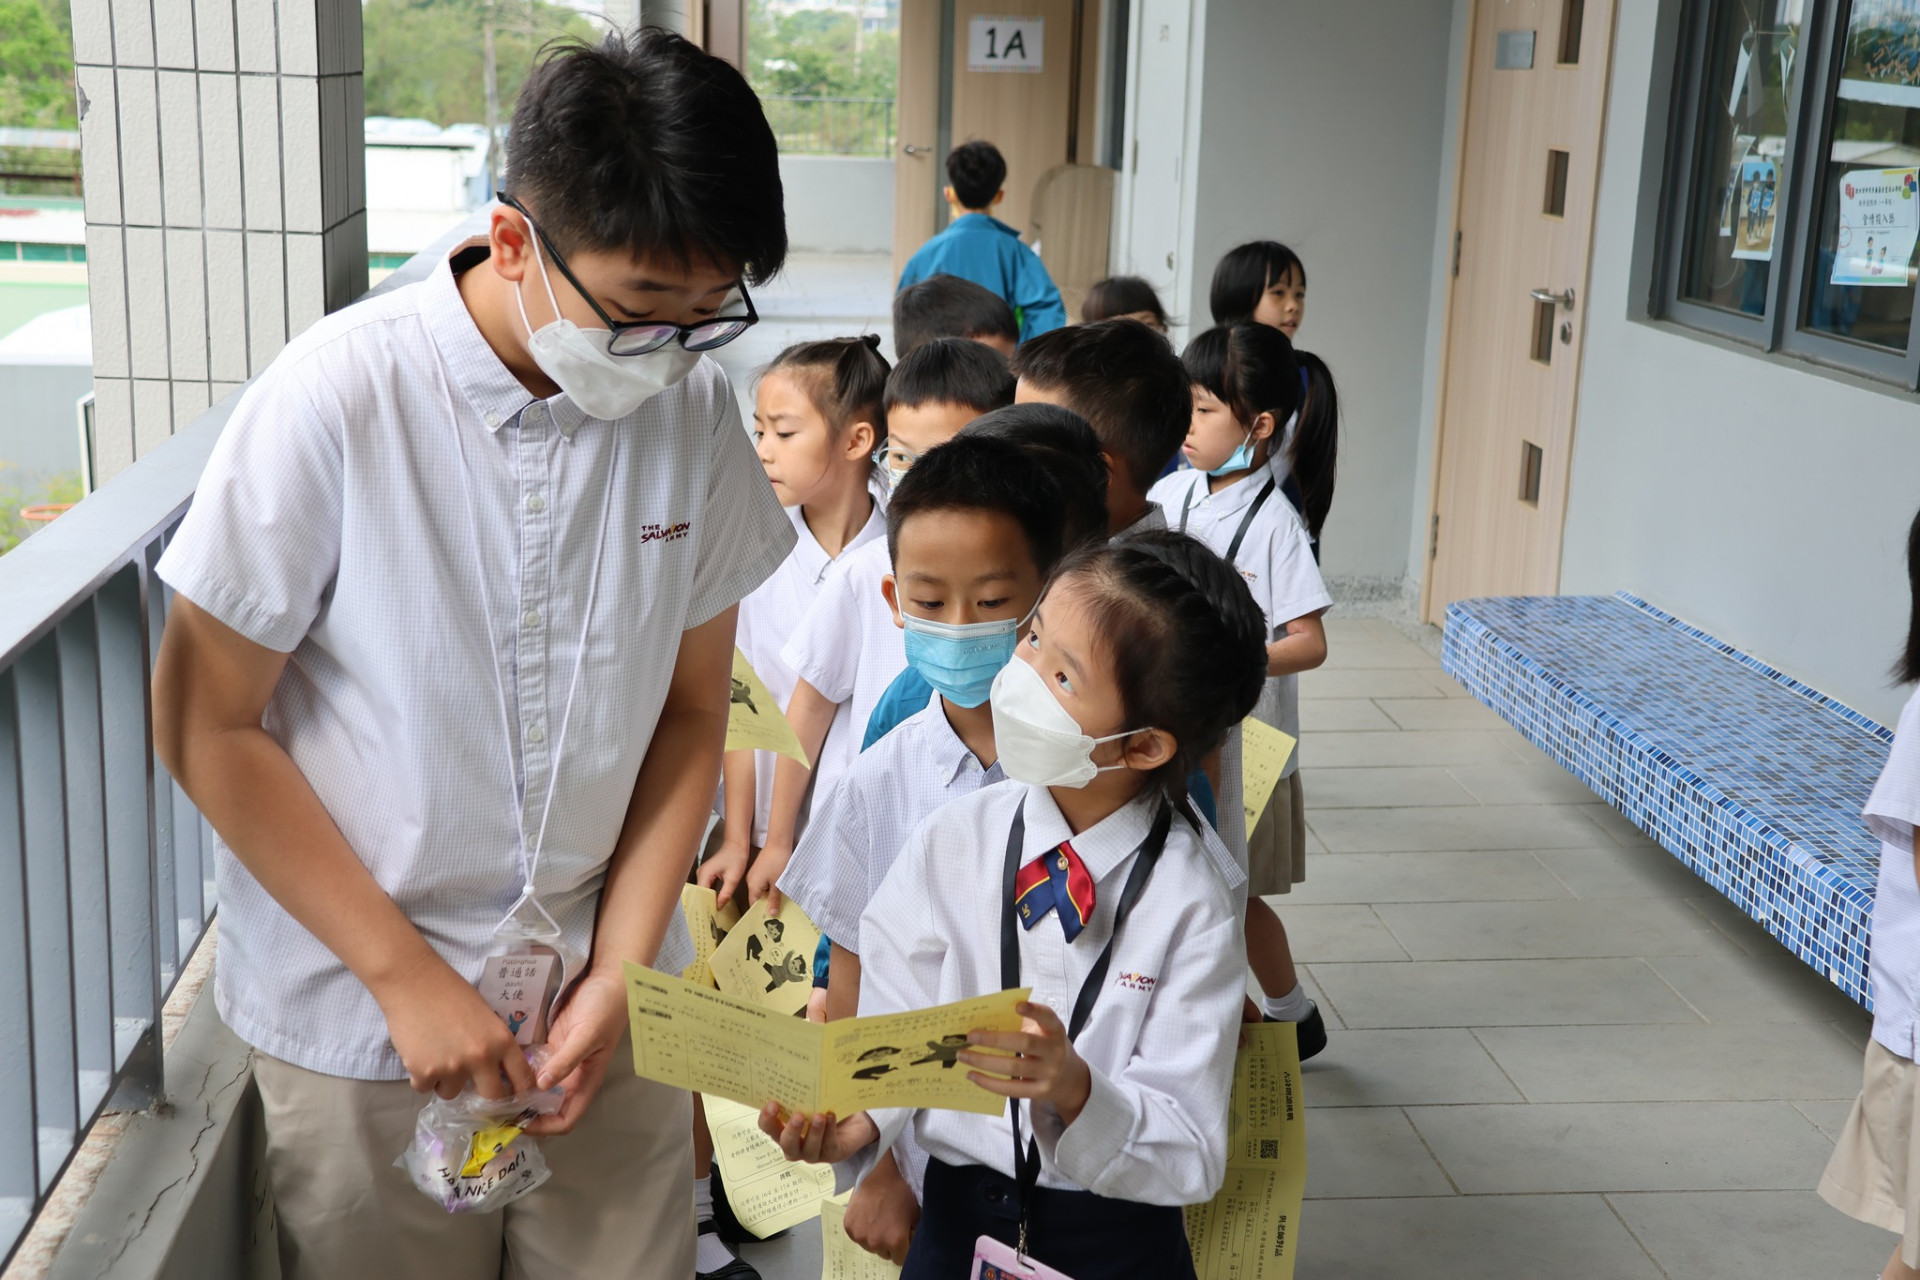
(545,928)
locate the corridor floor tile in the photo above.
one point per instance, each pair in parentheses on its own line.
(1335,932)
(1449,827)
(1550,930)
(1530,1237)
(1441,1066)
(1614,872)
(1388,683)
(1319,715)
(1490,993)
(1445,713)
(1762,988)
(1381,788)
(1753,1235)
(1441,747)
(1519,783)
(1704,1061)
(1621,1146)
(1503,875)
(1371,1151)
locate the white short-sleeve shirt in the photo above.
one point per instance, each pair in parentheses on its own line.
(1275,558)
(332,524)
(1893,959)
(1161,1037)
(848,647)
(768,619)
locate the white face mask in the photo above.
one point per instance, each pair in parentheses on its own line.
(1039,741)
(603,385)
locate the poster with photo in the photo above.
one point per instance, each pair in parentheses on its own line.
(1742,144)
(1879,219)
(1753,208)
(1882,59)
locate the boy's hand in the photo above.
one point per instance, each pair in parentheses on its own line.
(586,1031)
(764,874)
(1045,1068)
(724,871)
(818,1139)
(447,1035)
(882,1214)
(817,1005)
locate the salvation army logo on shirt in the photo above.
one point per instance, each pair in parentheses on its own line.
(1136,981)
(665,532)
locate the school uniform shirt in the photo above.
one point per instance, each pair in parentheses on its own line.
(1893,959)
(985,250)
(1153,519)
(848,648)
(1161,1037)
(1275,559)
(333,524)
(768,619)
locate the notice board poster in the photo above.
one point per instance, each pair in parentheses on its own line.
(1879,216)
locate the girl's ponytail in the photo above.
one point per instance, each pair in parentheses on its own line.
(1316,441)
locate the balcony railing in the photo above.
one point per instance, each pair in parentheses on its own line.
(106,868)
(831,126)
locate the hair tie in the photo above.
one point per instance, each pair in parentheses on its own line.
(872,340)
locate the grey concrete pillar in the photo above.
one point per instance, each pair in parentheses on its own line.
(224,164)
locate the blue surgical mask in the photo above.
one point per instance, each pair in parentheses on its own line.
(960,660)
(1239,460)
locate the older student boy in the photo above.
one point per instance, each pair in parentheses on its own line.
(847,646)
(979,247)
(449,665)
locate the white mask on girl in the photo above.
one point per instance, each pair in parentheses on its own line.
(1039,741)
(603,385)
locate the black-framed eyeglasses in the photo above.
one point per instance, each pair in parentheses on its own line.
(638,337)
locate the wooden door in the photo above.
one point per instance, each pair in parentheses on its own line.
(1530,162)
(1156,140)
(1027,115)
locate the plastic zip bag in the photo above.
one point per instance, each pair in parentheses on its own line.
(471,1155)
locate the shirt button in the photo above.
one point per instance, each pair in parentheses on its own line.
(536,504)
(531,617)
(536,734)
(493,419)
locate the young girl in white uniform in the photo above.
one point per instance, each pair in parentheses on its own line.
(1875,1171)
(1087,878)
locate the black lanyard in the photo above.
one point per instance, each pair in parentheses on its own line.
(1026,1156)
(1246,521)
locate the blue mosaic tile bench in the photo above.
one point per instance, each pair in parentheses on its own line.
(1750,778)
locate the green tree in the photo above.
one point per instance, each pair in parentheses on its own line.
(425,59)
(36,66)
(815,53)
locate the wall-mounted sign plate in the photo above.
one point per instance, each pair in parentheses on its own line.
(1512,50)
(1006,44)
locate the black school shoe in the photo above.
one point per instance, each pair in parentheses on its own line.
(738,1269)
(725,1224)
(1312,1031)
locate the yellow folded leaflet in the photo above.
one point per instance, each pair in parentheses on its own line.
(840,1257)
(1250,1230)
(768,1192)
(767,960)
(1264,752)
(754,720)
(697,1038)
(708,920)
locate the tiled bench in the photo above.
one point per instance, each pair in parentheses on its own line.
(1750,778)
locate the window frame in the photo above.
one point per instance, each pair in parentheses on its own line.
(1810,118)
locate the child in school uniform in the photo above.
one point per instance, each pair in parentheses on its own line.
(944,306)
(819,416)
(1085,877)
(818,419)
(847,649)
(1246,383)
(1874,1174)
(1127,383)
(974,529)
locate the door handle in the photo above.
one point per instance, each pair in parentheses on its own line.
(1548,295)
(912,150)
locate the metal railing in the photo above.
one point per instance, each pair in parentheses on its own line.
(106,868)
(831,126)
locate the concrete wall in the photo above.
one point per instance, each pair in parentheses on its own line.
(839,204)
(1759,498)
(1322,126)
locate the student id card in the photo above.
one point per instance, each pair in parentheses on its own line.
(993,1260)
(520,987)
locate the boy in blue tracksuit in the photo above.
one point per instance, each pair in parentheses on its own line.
(977,246)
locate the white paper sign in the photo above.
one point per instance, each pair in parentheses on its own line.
(1879,221)
(1006,44)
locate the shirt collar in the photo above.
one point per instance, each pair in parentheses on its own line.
(946,748)
(813,558)
(1152,519)
(1103,846)
(1230,500)
(972,220)
(473,367)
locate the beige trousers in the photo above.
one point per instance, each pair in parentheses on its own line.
(619,1203)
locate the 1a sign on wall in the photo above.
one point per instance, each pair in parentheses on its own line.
(1005,44)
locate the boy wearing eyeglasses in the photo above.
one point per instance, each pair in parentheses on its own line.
(448,674)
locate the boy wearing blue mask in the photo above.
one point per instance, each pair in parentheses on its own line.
(974,529)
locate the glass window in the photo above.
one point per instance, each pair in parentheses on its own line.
(1740,154)
(1861,274)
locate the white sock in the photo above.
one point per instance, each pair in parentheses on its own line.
(1291,1007)
(711,1253)
(703,1199)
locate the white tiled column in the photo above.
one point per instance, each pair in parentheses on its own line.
(225,177)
